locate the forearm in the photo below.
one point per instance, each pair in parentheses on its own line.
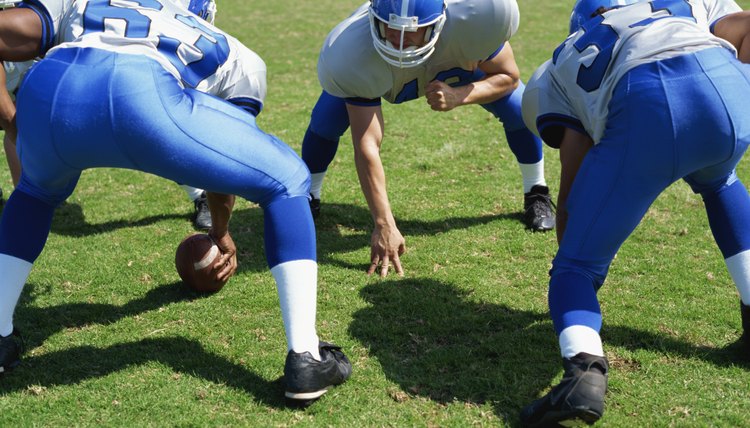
(487,90)
(372,181)
(573,149)
(221,207)
(9,143)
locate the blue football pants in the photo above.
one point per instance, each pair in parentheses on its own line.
(680,118)
(89,108)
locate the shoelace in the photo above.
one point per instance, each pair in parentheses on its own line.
(546,203)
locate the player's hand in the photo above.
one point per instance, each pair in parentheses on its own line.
(226,264)
(441,97)
(386,245)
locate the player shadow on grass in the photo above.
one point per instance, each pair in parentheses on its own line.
(74,365)
(69,220)
(433,341)
(188,357)
(247,230)
(354,221)
(39,323)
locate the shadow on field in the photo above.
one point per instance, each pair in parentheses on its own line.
(69,220)
(434,342)
(357,222)
(77,364)
(188,357)
(46,321)
(247,231)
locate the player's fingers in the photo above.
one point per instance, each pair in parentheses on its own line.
(226,267)
(397,266)
(373,265)
(222,260)
(384,267)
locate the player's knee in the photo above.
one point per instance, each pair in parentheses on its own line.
(508,109)
(52,191)
(329,119)
(295,183)
(707,186)
(594,271)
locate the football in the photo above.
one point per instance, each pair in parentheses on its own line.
(193,259)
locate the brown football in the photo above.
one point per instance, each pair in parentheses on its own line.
(193,259)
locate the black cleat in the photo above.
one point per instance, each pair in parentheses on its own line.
(577,399)
(314,207)
(538,209)
(11,348)
(202,215)
(745,311)
(307,378)
(2,200)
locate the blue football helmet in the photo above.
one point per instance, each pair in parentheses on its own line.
(406,16)
(584,10)
(205,9)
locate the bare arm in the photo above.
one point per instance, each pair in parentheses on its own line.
(735,29)
(573,149)
(20,40)
(502,77)
(221,207)
(387,243)
(14,164)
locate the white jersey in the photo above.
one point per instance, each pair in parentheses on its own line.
(14,72)
(350,67)
(574,88)
(211,61)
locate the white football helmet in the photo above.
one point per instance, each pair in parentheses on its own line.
(406,15)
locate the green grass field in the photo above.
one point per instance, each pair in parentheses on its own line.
(464,339)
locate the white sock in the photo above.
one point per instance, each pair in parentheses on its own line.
(14,274)
(532,174)
(316,184)
(739,269)
(193,193)
(579,338)
(297,285)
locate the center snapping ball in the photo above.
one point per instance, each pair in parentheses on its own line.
(194,258)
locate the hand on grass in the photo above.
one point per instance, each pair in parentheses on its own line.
(386,245)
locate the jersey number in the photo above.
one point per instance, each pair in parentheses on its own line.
(213,46)
(604,38)
(453,77)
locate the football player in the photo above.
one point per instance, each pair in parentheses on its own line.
(453,53)
(14,75)
(640,95)
(145,85)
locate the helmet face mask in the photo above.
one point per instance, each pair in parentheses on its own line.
(583,10)
(406,16)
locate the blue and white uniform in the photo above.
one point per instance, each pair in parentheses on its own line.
(149,86)
(350,70)
(663,99)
